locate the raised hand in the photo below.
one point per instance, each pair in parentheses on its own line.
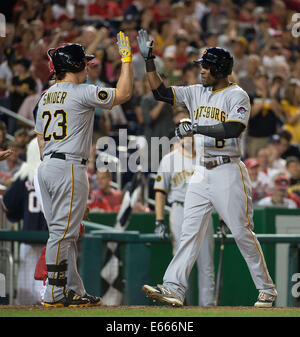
(124,47)
(145,46)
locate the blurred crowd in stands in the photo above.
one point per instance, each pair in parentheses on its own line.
(259,34)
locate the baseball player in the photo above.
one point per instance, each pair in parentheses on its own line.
(64,126)
(171,182)
(219,111)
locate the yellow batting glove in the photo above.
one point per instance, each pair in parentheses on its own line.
(124,47)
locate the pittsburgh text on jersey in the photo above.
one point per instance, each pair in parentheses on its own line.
(210,112)
(182,176)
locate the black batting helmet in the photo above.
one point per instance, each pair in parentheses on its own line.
(69,57)
(219,61)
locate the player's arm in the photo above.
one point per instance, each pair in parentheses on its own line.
(160,227)
(160,200)
(124,87)
(237,120)
(160,91)
(221,130)
(41,144)
(218,131)
(161,188)
(38,128)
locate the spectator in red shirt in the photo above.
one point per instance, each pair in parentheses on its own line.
(48,18)
(96,203)
(23,47)
(246,13)
(278,15)
(162,10)
(103,9)
(104,190)
(258,187)
(68,33)
(38,51)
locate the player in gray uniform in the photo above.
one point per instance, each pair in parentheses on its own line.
(172,179)
(64,126)
(219,111)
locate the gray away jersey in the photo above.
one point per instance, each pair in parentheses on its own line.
(65,116)
(207,107)
(173,175)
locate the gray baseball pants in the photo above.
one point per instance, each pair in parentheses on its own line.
(205,259)
(63,187)
(226,188)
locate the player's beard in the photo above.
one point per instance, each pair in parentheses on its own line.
(211,82)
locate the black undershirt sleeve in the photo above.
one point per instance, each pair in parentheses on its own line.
(221,130)
(163,93)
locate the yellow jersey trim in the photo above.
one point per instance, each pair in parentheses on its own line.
(218,90)
(70,213)
(174,103)
(160,190)
(231,120)
(114,97)
(68,222)
(250,231)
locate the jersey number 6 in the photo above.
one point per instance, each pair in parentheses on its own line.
(62,124)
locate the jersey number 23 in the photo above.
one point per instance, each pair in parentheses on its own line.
(61,133)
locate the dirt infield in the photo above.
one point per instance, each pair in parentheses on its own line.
(144,307)
(145,311)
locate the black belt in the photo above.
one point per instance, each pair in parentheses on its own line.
(60,155)
(178,202)
(213,163)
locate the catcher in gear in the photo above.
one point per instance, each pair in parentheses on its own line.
(64,118)
(219,111)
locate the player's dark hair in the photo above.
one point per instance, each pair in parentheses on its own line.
(60,76)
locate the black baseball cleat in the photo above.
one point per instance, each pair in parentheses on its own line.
(71,299)
(93,300)
(74,300)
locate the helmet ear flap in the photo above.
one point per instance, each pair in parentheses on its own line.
(50,52)
(219,73)
(214,72)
